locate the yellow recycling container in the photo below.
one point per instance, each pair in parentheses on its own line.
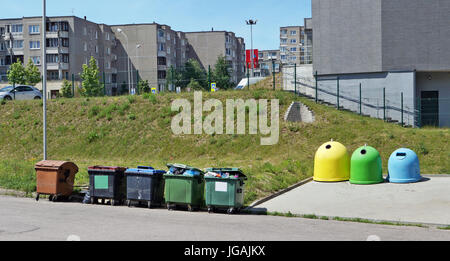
(332,163)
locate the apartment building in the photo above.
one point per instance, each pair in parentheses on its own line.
(296,44)
(207,46)
(70,42)
(124,53)
(265,63)
(153,50)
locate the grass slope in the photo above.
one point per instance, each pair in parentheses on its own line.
(131,131)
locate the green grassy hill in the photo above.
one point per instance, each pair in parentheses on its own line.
(131,131)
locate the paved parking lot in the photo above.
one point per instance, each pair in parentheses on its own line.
(424,202)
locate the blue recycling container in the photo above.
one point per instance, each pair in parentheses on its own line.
(404,167)
(145,184)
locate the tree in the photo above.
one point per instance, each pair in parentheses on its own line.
(221,74)
(32,74)
(193,70)
(143,86)
(194,85)
(91,81)
(66,89)
(16,73)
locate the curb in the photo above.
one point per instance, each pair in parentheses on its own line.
(279,193)
(16,193)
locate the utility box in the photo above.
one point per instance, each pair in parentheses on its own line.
(224,188)
(55,178)
(332,163)
(404,167)
(366,166)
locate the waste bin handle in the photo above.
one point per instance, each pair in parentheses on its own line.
(145,167)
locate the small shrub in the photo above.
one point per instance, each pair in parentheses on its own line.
(93,136)
(131,99)
(94,111)
(131,117)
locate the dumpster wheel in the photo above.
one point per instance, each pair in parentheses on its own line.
(230,211)
(129,203)
(190,208)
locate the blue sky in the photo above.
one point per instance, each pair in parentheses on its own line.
(181,15)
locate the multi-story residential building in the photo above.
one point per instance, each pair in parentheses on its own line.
(153,49)
(207,46)
(383,48)
(70,42)
(124,53)
(268,58)
(296,44)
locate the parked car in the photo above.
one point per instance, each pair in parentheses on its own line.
(21,92)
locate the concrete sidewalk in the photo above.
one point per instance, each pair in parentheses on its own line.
(424,202)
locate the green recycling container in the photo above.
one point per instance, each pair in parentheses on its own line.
(366,167)
(224,188)
(184,185)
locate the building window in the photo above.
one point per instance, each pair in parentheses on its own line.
(36,60)
(168,50)
(293,32)
(65,26)
(2,46)
(162,75)
(161,47)
(228,51)
(2,62)
(161,33)
(96,49)
(283,57)
(284,31)
(283,49)
(65,42)
(162,61)
(293,41)
(85,47)
(18,44)
(108,51)
(52,42)
(17,28)
(108,65)
(283,41)
(52,58)
(84,31)
(65,58)
(35,44)
(107,36)
(33,29)
(168,37)
(294,49)
(96,34)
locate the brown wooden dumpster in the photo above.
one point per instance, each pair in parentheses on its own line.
(55,178)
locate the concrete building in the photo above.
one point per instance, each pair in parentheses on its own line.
(296,43)
(207,46)
(153,50)
(70,42)
(265,63)
(401,46)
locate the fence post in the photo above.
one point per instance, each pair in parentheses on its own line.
(317,88)
(248,77)
(419,110)
(338,105)
(402,111)
(209,76)
(360,99)
(295,78)
(273,73)
(384,104)
(137,81)
(73,85)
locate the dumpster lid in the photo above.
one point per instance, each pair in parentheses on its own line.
(53,164)
(144,170)
(229,170)
(105,168)
(181,166)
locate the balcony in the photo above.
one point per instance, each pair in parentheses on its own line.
(161,54)
(64,50)
(52,50)
(52,35)
(57,66)
(63,34)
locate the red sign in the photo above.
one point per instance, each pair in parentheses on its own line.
(255,59)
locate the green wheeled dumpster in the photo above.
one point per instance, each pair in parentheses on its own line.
(185,186)
(224,189)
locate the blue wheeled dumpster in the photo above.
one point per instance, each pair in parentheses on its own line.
(145,184)
(107,183)
(404,167)
(224,188)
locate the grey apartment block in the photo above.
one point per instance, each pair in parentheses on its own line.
(207,46)
(153,50)
(397,45)
(296,44)
(265,63)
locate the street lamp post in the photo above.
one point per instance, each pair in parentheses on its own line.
(251,22)
(137,72)
(128,74)
(44,76)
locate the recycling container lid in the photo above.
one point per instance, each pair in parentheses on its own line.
(232,171)
(106,169)
(144,171)
(54,165)
(181,166)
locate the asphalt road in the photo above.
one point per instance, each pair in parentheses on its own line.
(25,219)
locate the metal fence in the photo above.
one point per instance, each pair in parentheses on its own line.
(396,107)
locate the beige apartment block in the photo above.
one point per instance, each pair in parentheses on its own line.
(267,60)
(207,46)
(296,44)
